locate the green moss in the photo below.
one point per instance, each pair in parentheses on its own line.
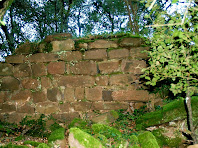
(55,126)
(107,131)
(114,114)
(85,139)
(14,146)
(101,138)
(19,138)
(58,134)
(133,139)
(33,143)
(79,123)
(148,140)
(43,145)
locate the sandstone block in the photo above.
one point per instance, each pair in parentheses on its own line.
(96,54)
(71,56)
(6,108)
(93,94)
(22,70)
(57,37)
(29,83)
(54,95)
(4,96)
(107,95)
(16,59)
(82,106)
(46,82)
(122,79)
(118,53)
(63,45)
(107,67)
(43,57)
(79,93)
(131,95)
(69,94)
(102,44)
(83,45)
(9,83)
(23,95)
(131,42)
(39,96)
(39,69)
(65,107)
(66,116)
(47,107)
(76,81)
(102,80)
(115,105)
(56,67)
(98,105)
(138,53)
(26,108)
(15,117)
(6,69)
(134,66)
(84,67)
(26,48)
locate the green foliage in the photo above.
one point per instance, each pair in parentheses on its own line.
(57,134)
(14,146)
(33,143)
(43,145)
(79,123)
(55,126)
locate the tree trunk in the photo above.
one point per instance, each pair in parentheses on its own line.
(129,14)
(190,117)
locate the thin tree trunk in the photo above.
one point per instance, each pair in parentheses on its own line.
(129,14)
(190,117)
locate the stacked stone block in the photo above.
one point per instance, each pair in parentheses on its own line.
(67,82)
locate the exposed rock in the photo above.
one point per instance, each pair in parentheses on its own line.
(63,45)
(57,37)
(6,69)
(26,48)
(193,146)
(131,42)
(102,44)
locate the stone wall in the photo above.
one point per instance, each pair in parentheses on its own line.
(76,78)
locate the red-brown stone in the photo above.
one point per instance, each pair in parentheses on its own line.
(4,96)
(54,95)
(9,83)
(96,54)
(57,37)
(131,42)
(107,95)
(39,69)
(26,108)
(43,57)
(15,59)
(139,53)
(71,56)
(115,105)
(79,93)
(102,80)
(47,107)
(6,108)
(39,96)
(118,53)
(22,70)
(63,45)
(29,83)
(69,94)
(24,95)
(131,95)
(93,94)
(84,67)
(15,117)
(102,44)
(65,107)
(46,82)
(107,67)
(76,81)
(82,106)
(66,116)
(56,68)
(122,79)
(6,69)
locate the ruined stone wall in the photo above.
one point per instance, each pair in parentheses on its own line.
(75,78)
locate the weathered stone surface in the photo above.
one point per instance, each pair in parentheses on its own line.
(118,53)
(82,106)
(122,79)
(131,95)
(83,45)
(99,105)
(107,67)
(84,67)
(39,96)
(47,107)
(9,83)
(43,57)
(63,45)
(74,142)
(193,146)
(22,70)
(57,37)
(102,44)
(107,95)
(132,42)
(26,48)
(96,54)
(102,80)
(46,82)
(6,69)
(69,94)
(23,95)
(79,93)
(39,69)
(71,56)
(134,66)
(66,116)
(65,107)
(76,81)
(138,53)
(16,59)
(93,94)
(4,96)
(54,95)
(115,105)
(26,108)
(56,68)
(15,117)
(29,83)
(6,108)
